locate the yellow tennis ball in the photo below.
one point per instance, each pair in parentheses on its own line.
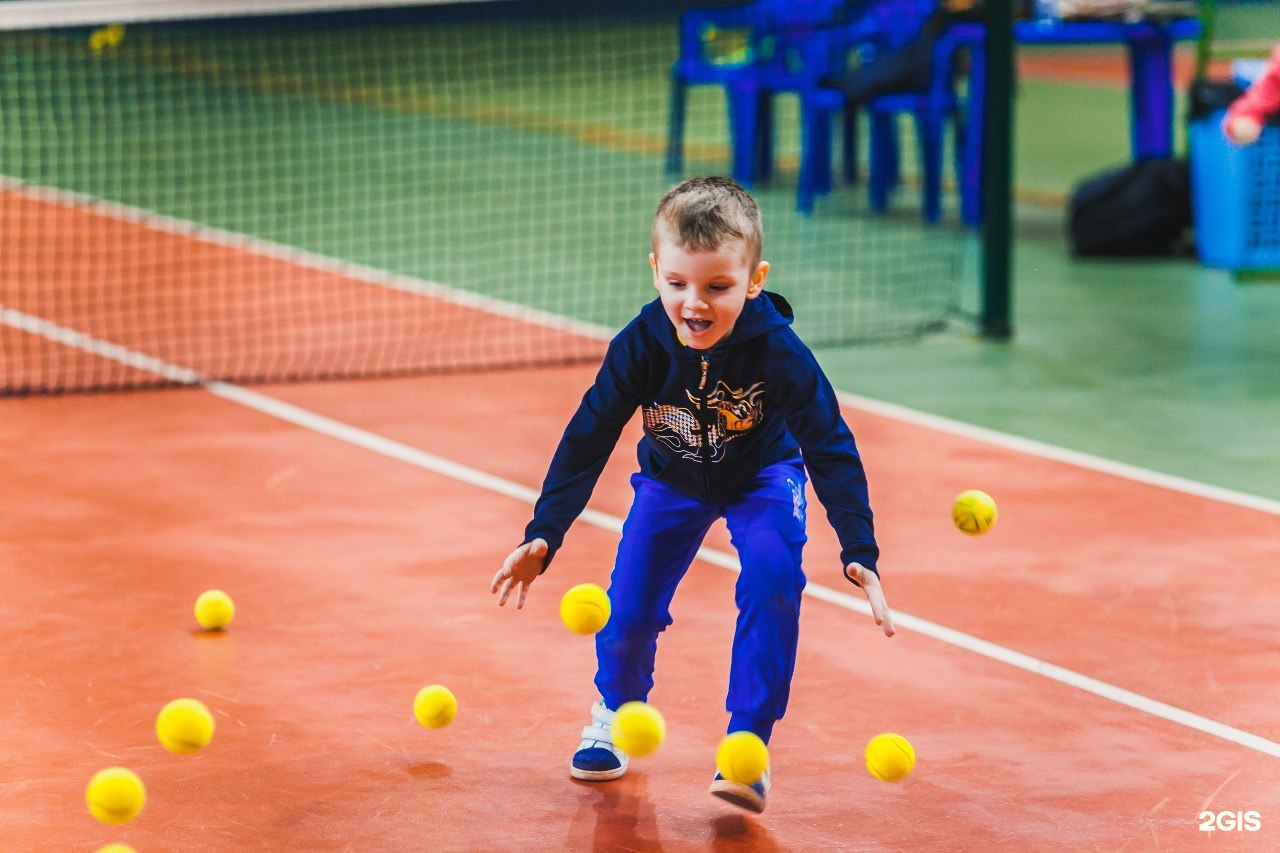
(585,608)
(435,707)
(214,609)
(108,36)
(889,757)
(742,757)
(115,795)
(638,729)
(117,848)
(184,726)
(974,512)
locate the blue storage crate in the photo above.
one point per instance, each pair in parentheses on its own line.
(1235,194)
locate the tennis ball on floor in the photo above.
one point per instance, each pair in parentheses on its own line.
(435,707)
(973,512)
(889,757)
(115,795)
(214,609)
(742,757)
(184,726)
(117,848)
(585,608)
(638,729)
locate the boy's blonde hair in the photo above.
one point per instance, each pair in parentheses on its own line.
(702,214)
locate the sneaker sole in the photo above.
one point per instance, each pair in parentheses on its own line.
(742,796)
(596,775)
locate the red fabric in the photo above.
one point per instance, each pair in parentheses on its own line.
(1260,100)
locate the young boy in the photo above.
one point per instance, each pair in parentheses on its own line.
(736,411)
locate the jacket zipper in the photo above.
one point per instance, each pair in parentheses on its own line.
(703,412)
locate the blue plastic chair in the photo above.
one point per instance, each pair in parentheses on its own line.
(933,109)
(781,49)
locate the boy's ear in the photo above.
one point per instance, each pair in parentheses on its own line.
(653,265)
(757,280)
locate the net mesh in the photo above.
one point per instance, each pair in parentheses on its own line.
(379,191)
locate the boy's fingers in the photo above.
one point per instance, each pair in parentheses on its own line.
(881,610)
(875,597)
(506,579)
(877,607)
(885,619)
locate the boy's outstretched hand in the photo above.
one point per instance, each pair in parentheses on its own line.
(522,568)
(870,583)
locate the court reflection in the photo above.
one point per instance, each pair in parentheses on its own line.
(616,816)
(621,816)
(733,832)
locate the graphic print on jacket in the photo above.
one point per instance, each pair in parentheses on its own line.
(737,411)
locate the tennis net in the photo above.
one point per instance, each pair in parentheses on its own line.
(270,191)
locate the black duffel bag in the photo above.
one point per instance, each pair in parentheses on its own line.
(1143,209)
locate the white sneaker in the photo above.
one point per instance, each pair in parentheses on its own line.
(749,797)
(597,759)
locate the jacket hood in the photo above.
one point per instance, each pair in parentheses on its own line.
(765,313)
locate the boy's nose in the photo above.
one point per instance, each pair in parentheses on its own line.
(694,300)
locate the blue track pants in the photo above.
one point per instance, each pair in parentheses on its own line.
(660,537)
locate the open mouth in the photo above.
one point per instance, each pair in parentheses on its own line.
(697,325)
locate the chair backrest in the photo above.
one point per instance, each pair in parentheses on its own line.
(878,31)
(765,32)
(792,35)
(889,25)
(787,13)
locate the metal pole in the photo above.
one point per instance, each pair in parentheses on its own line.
(997,231)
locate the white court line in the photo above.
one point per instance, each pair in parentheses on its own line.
(383,446)
(1031,447)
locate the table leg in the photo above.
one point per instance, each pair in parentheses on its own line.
(1151,98)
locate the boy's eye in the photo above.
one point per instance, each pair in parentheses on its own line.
(676,284)
(719,288)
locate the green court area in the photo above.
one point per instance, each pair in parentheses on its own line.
(1161,363)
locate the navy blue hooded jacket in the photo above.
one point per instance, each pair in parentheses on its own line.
(712,420)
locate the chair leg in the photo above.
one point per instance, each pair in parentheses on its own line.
(744,105)
(967,175)
(975,129)
(822,153)
(675,127)
(955,118)
(929,131)
(764,137)
(815,155)
(849,153)
(883,174)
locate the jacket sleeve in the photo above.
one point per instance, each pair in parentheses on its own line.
(588,441)
(831,457)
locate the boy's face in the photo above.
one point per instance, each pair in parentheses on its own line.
(704,292)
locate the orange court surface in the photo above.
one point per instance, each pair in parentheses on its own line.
(1096,673)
